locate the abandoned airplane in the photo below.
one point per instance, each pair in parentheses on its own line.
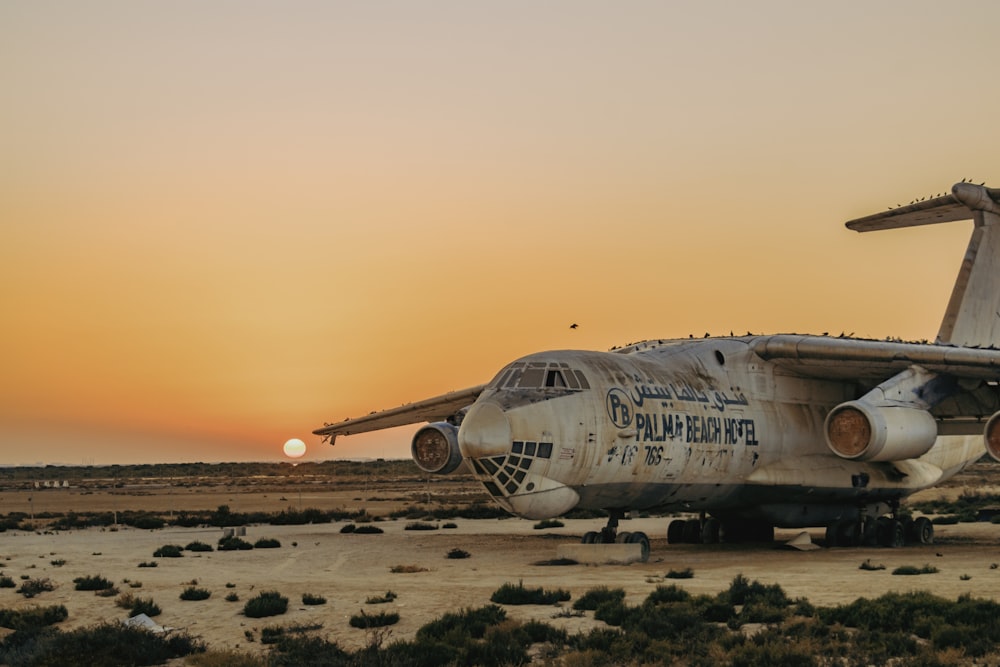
(749,433)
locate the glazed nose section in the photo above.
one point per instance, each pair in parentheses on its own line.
(485,431)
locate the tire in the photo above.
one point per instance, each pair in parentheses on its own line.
(883,530)
(622,538)
(591,537)
(850,534)
(833,534)
(923,530)
(692,531)
(710,531)
(893,534)
(642,540)
(675,531)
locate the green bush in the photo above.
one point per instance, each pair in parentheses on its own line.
(381,599)
(92,583)
(193,593)
(32,618)
(232,597)
(148,563)
(368,530)
(470,623)
(137,605)
(108,644)
(146,522)
(381,619)
(31,587)
(598,596)
(266,603)
(457,553)
(511,594)
(913,570)
(233,543)
(349,528)
(7,582)
(266,543)
(198,546)
(310,599)
(686,573)
(667,594)
(420,525)
(169,551)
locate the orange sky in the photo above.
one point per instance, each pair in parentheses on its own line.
(225,223)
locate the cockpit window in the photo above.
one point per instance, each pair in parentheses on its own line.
(539,375)
(532,378)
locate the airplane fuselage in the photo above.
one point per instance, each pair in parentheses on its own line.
(686,425)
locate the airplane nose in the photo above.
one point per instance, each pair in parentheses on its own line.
(485,431)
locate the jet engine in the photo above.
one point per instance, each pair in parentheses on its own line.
(992,436)
(860,431)
(435,448)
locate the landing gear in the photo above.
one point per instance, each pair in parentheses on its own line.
(709,530)
(884,531)
(610,535)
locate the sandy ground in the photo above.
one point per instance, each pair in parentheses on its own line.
(349,568)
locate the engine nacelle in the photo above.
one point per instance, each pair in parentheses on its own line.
(435,448)
(860,431)
(991,434)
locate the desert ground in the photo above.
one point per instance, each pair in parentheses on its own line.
(347,569)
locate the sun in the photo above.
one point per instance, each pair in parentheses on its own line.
(294,448)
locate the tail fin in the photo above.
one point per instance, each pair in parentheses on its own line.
(973,315)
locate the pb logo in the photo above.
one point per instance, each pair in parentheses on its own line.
(619,406)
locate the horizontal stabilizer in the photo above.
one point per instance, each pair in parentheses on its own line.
(965,198)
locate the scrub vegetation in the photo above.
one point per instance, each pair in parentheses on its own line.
(671,626)
(266,603)
(518,594)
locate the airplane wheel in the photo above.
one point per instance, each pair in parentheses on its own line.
(892,533)
(923,530)
(883,531)
(710,531)
(623,538)
(850,534)
(833,534)
(692,531)
(642,540)
(898,535)
(675,531)
(591,537)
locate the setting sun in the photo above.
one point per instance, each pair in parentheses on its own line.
(294,448)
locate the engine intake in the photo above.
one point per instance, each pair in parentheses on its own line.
(860,431)
(991,434)
(435,448)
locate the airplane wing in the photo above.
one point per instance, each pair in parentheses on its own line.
(438,408)
(872,362)
(845,358)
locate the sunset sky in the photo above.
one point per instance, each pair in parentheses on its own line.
(227,222)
